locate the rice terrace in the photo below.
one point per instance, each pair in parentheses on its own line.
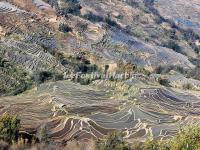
(99,75)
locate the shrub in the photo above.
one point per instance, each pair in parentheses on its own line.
(64,28)
(197,49)
(187,139)
(111,22)
(151,145)
(164,82)
(133,4)
(106,69)
(85,81)
(167,69)
(158,20)
(81,64)
(194,73)
(1,62)
(114,142)
(120,17)
(127,67)
(73,7)
(42,76)
(9,127)
(22,87)
(142,70)
(173,45)
(95,18)
(92,17)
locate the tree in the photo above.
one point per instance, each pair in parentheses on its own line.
(9,127)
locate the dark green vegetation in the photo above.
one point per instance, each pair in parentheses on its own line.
(114,142)
(15,80)
(43,76)
(81,64)
(73,7)
(9,127)
(173,45)
(187,139)
(12,139)
(167,69)
(64,28)
(195,73)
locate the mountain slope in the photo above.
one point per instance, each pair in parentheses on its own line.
(49,48)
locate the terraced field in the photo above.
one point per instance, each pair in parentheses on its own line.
(41,43)
(28,56)
(75,112)
(184,13)
(179,81)
(49,102)
(120,46)
(6,7)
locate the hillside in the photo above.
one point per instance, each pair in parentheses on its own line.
(50,51)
